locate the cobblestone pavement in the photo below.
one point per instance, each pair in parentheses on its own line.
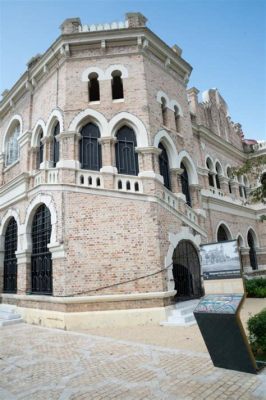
(47,364)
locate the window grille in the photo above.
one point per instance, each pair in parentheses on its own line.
(10,259)
(126,157)
(164,166)
(89,148)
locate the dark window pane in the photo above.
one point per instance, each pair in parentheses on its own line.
(164,166)
(89,148)
(10,259)
(126,157)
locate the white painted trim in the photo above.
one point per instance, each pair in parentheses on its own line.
(40,124)
(159,96)
(85,74)
(116,67)
(174,103)
(89,115)
(212,163)
(12,212)
(242,244)
(125,118)
(219,163)
(55,115)
(184,157)
(164,137)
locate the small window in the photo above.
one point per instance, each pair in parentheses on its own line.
(164,166)
(177,119)
(128,185)
(136,187)
(82,179)
(119,185)
(164,111)
(40,150)
(55,145)
(210,175)
(117,86)
(94,87)
(12,147)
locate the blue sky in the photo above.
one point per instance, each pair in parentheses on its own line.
(223,40)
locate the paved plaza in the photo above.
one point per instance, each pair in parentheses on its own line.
(47,364)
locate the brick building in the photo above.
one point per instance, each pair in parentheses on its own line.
(112,173)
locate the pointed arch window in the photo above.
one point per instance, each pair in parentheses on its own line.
(222,234)
(89,148)
(94,87)
(210,174)
(117,85)
(230,176)
(10,259)
(41,260)
(126,156)
(164,166)
(217,176)
(55,145)
(12,146)
(185,184)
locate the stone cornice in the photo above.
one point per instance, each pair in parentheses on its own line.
(56,52)
(219,143)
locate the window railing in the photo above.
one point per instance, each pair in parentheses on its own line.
(127,183)
(90,179)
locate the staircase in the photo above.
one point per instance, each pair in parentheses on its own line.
(181,314)
(9,315)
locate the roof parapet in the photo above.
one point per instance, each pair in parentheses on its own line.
(70,25)
(136,20)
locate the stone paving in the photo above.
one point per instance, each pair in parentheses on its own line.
(46,364)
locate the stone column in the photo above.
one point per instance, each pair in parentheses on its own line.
(149,169)
(24,150)
(224,184)
(68,149)
(195,193)
(108,169)
(235,189)
(59,262)
(47,152)
(23,271)
(175,176)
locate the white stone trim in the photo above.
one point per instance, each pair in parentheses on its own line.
(90,70)
(184,157)
(174,239)
(212,163)
(164,137)
(242,244)
(89,115)
(126,118)
(116,67)
(55,116)
(159,96)
(12,212)
(40,124)
(174,103)
(219,163)
(30,212)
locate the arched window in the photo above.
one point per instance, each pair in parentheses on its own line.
(94,87)
(230,176)
(55,145)
(177,119)
(41,260)
(89,148)
(117,86)
(164,111)
(10,259)
(185,184)
(164,166)
(12,147)
(218,174)
(39,154)
(222,234)
(210,174)
(126,156)
(252,251)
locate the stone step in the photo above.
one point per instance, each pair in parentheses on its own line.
(9,315)
(181,314)
(10,321)
(8,308)
(6,315)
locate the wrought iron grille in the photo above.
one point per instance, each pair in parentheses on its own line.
(41,262)
(55,148)
(10,259)
(126,157)
(90,148)
(164,166)
(252,251)
(185,185)
(186,271)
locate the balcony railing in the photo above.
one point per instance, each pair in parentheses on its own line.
(90,179)
(128,184)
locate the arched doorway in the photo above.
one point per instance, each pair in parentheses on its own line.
(10,259)
(186,271)
(41,261)
(252,251)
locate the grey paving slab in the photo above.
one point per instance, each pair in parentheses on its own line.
(47,364)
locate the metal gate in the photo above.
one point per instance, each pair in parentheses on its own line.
(41,261)
(10,259)
(186,271)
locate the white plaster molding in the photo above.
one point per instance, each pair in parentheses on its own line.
(30,212)
(125,118)
(184,157)
(172,105)
(242,241)
(15,120)
(40,125)
(57,250)
(90,70)
(151,175)
(89,115)
(174,239)
(116,67)
(108,169)
(164,137)
(55,115)
(68,164)
(220,165)
(159,96)
(211,160)
(12,212)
